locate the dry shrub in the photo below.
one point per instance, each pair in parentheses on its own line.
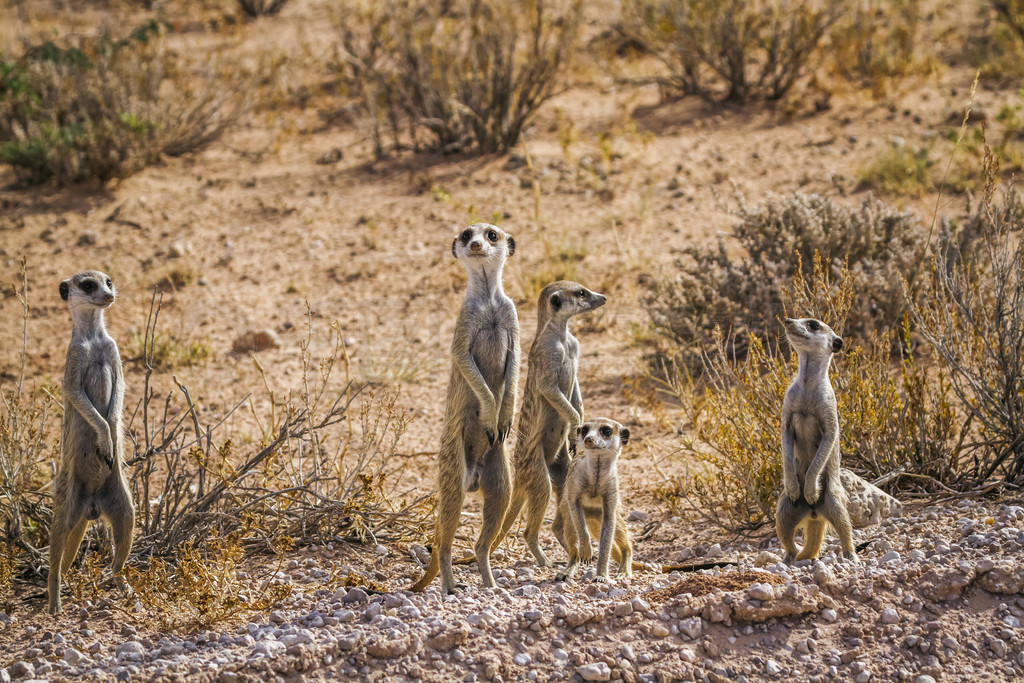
(102,108)
(743,294)
(1000,53)
(894,427)
(261,8)
(205,504)
(974,321)
(877,42)
(460,75)
(734,50)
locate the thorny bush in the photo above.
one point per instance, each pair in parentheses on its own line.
(456,76)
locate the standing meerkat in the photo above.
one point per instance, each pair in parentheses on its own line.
(552,410)
(590,500)
(90,483)
(480,404)
(810,447)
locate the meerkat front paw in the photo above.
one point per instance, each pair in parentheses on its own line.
(812,491)
(106,453)
(792,487)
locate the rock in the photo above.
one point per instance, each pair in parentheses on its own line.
(131,650)
(448,636)
(527,591)
(278,617)
(998,647)
(386,648)
(597,671)
(761,591)
(924,678)
(637,516)
(87,239)
(1002,579)
(332,156)
(890,616)
(622,609)
(301,637)
(944,583)
(868,504)
(691,627)
(660,631)
(521,659)
(21,669)
(714,551)
(179,248)
(772,667)
(73,657)
(765,558)
(256,341)
(269,648)
(891,557)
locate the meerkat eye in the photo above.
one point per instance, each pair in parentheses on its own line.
(109,283)
(813,326)
(582,293)
(606,431)
(492,236)
(466,236)
(88,286)
(583,430)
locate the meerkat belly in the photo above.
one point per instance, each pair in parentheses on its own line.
(593,511)
(490,350)
(98,382)
(806,432)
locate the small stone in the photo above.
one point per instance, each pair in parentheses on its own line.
(256,341)
(772,667)
(761,591)
(691,627)
(72,656)
(521,659)
(527,591)
(87,239)
(131,650)
(659,631)
(924,678)
(890,557)
(597,671)
(20,669)
(278,617)
(998,647)
(331,156)
(890,616)
(179,248)
(829,615)
(637,516)
(714,551)
(623,609)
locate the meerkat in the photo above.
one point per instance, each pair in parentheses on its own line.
(813,493)
(590,500)
(552,410)
(90,483)
(480,403)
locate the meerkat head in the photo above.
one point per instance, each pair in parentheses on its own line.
(566,299)
(483,243)
(91,288)
(601,435)
(807,335)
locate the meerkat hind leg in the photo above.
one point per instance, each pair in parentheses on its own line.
(538,495)
(450,499)
(496,484)
(120,514)
(787,518)
(74,542)
(622,551)
(814,535)
(839,517)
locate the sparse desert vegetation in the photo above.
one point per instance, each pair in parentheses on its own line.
(291,174)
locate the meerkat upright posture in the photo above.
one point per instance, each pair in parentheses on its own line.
(552,410)
(480,403)
(590,500)
(90,483)
(813,492)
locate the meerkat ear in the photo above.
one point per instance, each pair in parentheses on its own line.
(837,344)
(624,436)
(511,245)
(64,290)
(556,302)
(453,248)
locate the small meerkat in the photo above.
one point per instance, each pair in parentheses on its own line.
(813,493)
(552,410)
(480,403)
(91,482)
(590,500)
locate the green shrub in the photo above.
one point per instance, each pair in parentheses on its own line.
(736,50)
(901,170)
(100,109)
(460,75)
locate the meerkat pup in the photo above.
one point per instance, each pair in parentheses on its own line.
(552,410)
(590,500)
(90,483)
(480,403)
(813,493)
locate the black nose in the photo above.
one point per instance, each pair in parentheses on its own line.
(837,345)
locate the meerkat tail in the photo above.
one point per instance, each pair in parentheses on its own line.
(432,569)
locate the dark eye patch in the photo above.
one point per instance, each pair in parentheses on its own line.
(584,429)
(88,286)
(582,293)
(492,236)
(466,236)
(813,326)
(606,431)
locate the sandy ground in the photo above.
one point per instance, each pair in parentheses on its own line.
(262,230)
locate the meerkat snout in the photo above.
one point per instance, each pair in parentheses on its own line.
(483,241)
(808,335)
(602,434)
